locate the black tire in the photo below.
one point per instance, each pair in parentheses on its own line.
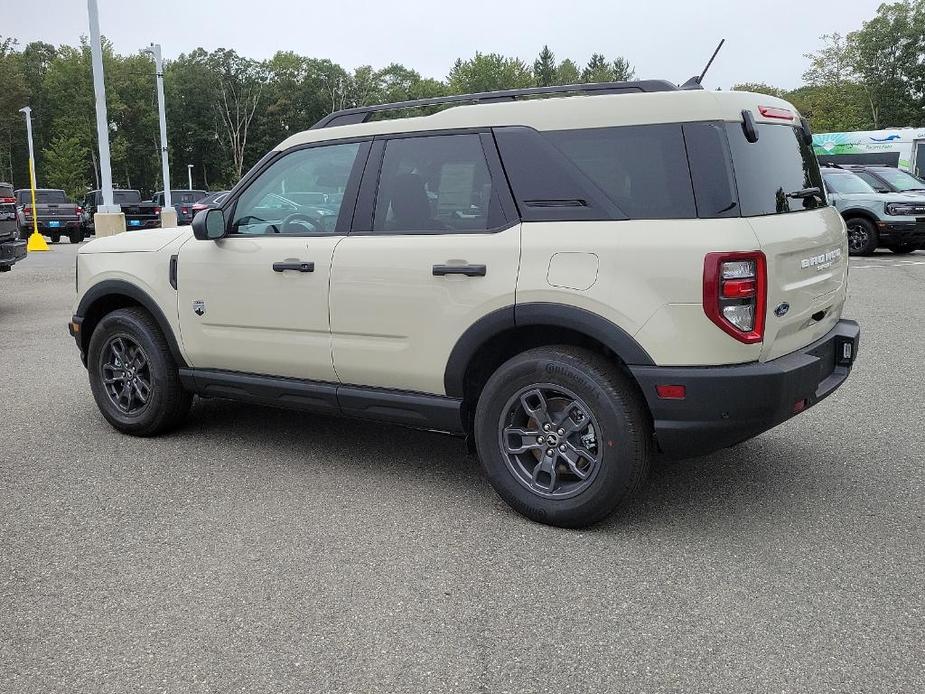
(618,416)
(55,238)
(167,403)
(862,236)
(904,248)
(75,236)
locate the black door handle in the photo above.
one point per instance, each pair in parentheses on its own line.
(467,270)
(298,267)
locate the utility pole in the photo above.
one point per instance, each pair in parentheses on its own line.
(189,175)
(168,213)
(108,219)
(36,240)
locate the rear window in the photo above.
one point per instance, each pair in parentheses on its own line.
(126,197)
(770,170)
(49,196)
(642,169)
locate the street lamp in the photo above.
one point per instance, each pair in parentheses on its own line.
(36,241)
(189,175)
(168,213)
(108,219)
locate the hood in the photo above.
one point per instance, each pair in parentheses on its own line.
(883,197)
(139,241)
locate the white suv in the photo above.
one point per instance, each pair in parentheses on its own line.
(573,282)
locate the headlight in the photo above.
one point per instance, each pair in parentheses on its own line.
(904,209)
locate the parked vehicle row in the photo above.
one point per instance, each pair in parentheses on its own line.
(890,215)
(182,201)
(12,249)
(55,215)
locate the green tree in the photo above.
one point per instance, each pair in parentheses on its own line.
(487,72)
(622,70)
(544,68)
(14,94)
(66,165)
(597,69)
(567,72)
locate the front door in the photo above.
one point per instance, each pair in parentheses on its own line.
(256,301)
(436,253)
(919,159)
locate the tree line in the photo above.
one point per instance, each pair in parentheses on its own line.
(225,110)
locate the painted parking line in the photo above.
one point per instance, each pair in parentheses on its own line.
(895,263)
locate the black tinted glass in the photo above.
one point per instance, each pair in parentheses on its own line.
(126,197)
(50,196)
(6,191)
(642,169)
(711,170)
(437,183)
(772,170)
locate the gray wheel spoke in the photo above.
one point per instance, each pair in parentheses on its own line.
(118,350)
(546,465)
(528,440)
(126,374)
(534,403)
(573,418)
(142,390)
(573,455)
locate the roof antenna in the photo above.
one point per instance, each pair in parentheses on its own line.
(696,82)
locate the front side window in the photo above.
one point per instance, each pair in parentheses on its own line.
(642,169)
(435,183)
(775,173)
(300,193)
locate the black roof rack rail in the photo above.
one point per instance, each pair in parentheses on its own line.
(362,114)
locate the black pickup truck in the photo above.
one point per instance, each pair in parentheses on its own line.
(11,248)
(55,214)
(138,214)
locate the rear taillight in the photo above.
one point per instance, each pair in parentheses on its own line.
(27,211)
(198,208)
(735,293)
(184,210)
(157,210)
(7,201)
(78,211)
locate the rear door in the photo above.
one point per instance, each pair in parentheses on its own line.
(802,237)
(434,247)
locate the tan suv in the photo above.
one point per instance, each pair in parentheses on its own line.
(574,281)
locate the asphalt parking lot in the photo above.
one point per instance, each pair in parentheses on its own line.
(258,550)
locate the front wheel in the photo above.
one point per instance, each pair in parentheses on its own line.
(563,436)
(133,376)
(862,236)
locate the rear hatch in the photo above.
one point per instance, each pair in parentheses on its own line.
(802,237)
(7,211)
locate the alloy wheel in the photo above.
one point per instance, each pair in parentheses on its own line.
(126,374)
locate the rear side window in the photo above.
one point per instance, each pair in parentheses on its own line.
(436,183)
(772,170)
(642,169)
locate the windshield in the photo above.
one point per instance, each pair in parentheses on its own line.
(847,183)
(900,180)
(774,173)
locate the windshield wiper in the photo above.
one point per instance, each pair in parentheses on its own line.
(804,193)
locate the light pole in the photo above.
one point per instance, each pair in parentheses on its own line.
(108,219)
(36,241)
(168,213)
(189,175)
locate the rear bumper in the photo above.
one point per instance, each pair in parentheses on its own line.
(10,253)
(728,404)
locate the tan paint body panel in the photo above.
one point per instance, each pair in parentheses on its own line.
(257,320)
(394,323)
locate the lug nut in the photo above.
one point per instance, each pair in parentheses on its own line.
(549,452)
(540,439)
(562,448)
(546,427)
(561,432)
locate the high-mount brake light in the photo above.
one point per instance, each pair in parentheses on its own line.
(735,293)
(776,112)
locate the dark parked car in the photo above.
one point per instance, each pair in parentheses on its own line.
(209,201)
(11,249)
(182,201)
(56,215)
(138,214)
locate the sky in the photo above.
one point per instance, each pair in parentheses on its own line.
(663,39)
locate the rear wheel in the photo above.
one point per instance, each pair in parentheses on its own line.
(55,238)
(133,376)
(862,236)
(75,236)
(904,248)
(563,435)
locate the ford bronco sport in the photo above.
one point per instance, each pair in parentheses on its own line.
(575,283)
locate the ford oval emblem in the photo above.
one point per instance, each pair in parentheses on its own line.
(781,310)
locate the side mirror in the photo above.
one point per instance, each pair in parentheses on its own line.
(209,225)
